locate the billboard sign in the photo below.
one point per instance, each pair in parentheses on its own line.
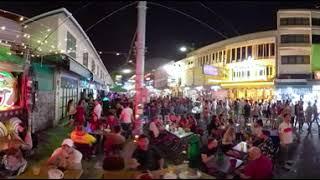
(210,70)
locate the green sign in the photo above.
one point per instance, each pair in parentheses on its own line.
(315,54)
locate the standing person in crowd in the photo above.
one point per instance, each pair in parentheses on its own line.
(309,113)
(267,147)
(286,139)
(315,115)
(126,119)
(71,110)
(246,110)
(79,117)
(111,121)
(301,117)
(97,109)
(255,111)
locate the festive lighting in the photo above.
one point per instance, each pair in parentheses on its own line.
(100,52)
(25,26)
(127,71)
(32,55)
(49,30)
(52,46)
(9,53)
(118,54)
(3,28)
(21,18)
(39,41)
(130,61)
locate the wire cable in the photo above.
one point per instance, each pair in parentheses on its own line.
(110,14)
(196,19)
(224,20)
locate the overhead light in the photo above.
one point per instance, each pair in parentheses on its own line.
(49,30)
(126,71)
(3,28)
(39,41)
(9,53)
(100,52)
(118,54)
(25,26)
(32,55)
(183,49)
(21,18)
(25,35)
(52,46)
(46,41)
(130,61)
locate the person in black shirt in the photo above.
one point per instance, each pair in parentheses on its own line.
(147,156)
(208,153)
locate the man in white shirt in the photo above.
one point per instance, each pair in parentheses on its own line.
(126,118)
(97,109)
(286,138)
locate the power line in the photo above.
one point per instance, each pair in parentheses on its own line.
(196,19)
(224,20)
(105,17)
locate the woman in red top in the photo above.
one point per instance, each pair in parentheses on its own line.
(80,114)
(94,123)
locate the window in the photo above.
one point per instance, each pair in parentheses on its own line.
(295,38)
(243,53)
(85,59)
(316,39)
(260,50)
(93,67)
(295,59)
(71,45)
(233,54)
(238,54)
(316,21)
(249,49)
(272,49)
(266,50)
(228,56)
(294,21)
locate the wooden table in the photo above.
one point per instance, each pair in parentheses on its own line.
(68,174)
(123,174)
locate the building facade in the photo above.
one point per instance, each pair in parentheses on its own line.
(282,63)
(67,65)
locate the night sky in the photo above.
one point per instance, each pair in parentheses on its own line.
(166,30)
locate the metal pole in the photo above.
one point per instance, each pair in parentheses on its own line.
(140,47)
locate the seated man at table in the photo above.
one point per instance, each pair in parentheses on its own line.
(113,138)
(83,141)
(13,163)
(208,153)
(147,156)
(66,156)
(258,167)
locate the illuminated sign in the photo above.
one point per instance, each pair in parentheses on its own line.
(210,70)
(8,94)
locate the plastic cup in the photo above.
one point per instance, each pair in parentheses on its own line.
(36,170)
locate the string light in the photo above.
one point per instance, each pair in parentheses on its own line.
(9,53)
(49,30)
(3,28)
(32,55)
(25,26)
(39,41)
(100,52)
(21,18)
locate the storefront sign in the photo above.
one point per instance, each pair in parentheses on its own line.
(210,70)
(8,94)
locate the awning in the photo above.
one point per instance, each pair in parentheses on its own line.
(255,84)
(10,62)
(68,63)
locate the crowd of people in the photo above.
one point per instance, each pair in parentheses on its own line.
(106,124)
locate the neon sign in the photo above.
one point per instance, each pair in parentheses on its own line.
(8,95)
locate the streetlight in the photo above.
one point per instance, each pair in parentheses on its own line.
(183,49)
(126,71)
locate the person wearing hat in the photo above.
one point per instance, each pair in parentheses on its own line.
(66,156)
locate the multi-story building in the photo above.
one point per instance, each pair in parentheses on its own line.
(283,63)
(67,65)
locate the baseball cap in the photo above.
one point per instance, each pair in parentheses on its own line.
(68,142)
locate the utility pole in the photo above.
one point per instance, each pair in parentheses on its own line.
(140,47)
